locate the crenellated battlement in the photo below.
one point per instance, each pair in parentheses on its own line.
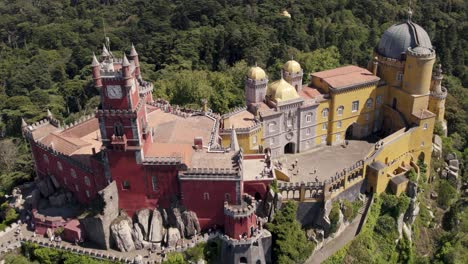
(246,209)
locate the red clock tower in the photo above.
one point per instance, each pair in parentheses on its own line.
(122,116)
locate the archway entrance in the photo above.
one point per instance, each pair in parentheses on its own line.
(350,132)
(421,157)
(290,148)
(394,103)
(258,197)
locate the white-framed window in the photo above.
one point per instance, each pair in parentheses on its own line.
(308,131)
(338,137)
(324,126)
(289,122)
(378,99)
(77,188)
(339,110)
(271,127)
(45,158)
(355,106)
(309,117)
(425,126)
(272,141)
(369,103)
(325,113)
(88,194)
(323,139)
(87,181)
(399,76)
(367,116)
(227,197)
(73,173)
(254,140)
(338,124)
(154,182)
(59,165)
(206,196)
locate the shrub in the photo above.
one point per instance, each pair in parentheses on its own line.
(212,250)
(447,194)
(175,258)
(196,253)
(386,225)
(334,217)
(412,176)
(58,231)
(394,205)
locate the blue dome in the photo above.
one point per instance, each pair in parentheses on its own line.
(399,37)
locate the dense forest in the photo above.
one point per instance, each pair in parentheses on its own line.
(195,49)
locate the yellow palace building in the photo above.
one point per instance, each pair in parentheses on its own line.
(398,98)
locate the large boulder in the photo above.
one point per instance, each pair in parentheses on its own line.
(121,231)
(412,189)
(412,211)
(137,236)
(172,237)
(156,229)
(175,220)
(451,156)
(143,218)
(58,200)
(192,226)
(45,186)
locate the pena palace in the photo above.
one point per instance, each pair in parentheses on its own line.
(160,154)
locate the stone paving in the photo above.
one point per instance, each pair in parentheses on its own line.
(320,164)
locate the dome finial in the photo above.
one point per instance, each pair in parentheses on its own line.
(410,11)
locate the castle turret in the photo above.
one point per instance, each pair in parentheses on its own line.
(96,72)
(292,72)
(437,97)
(418,70)
(134,56)
(255,85)
(127,75)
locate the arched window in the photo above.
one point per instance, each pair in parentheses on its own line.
(118,129)
(87,181)
(227,197)
(59,165)
(73,173)
(339,110)
(88,194)
(309,117)
(325,113)
(369,103)
(45,158)
(206,196)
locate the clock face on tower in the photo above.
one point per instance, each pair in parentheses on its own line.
(114,91)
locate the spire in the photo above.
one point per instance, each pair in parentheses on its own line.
(234,142)
(23,123)
(125,62)
(410,11)
(133,51)
(95,61)
(49,114)
(105,52)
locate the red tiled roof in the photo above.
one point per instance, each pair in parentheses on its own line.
(309,92)
(346,76)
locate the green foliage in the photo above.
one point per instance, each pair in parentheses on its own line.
(438,128)
(290,244)
(405,250)
(58,231)
(274,185)
(394,205)
(175,258)
(212,251)
(412,175)
(196,253)
(446,194)
(334,217)
(16,259)
(8,216)
(386,226)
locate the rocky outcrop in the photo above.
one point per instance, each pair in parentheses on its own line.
(58,200)
(412,190)
(97,227)
(143,217)
(412,211)
(192,226)
(172,236)
(175,220)
(45,186)
(437,146)
(137,236)
(156,229)
(451,170)
(270,205)
(121,231)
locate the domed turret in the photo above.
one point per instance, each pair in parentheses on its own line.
(255,85)
(292,66)
(281,90)
(292,73)
(256,73)
(398,38)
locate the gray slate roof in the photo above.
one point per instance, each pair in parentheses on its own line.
(399,37)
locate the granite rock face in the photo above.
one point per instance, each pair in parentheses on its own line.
(156,229)
(192,226)
(143,218)
(58,200)
(175,220)
(172,236)
(122,233)
(45,186)
(137,236)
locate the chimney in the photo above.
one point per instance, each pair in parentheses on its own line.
(198,143)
